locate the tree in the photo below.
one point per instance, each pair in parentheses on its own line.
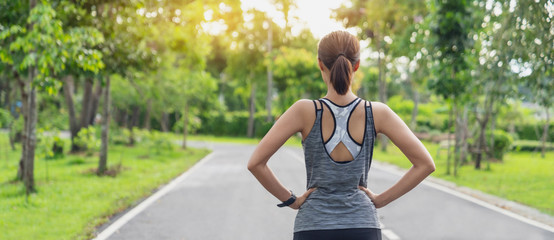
(450,30)
(123,27)
(381,21)
(532,27)
(296,76)
(493,81)
(246,61)
(36,53)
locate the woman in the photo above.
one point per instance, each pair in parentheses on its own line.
(338,133)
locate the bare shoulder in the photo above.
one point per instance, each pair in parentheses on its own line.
(379,107)
(302,106)
(382,115)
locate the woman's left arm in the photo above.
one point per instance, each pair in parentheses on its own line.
(291,122)
(388,123)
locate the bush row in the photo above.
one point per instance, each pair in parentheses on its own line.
(230,123)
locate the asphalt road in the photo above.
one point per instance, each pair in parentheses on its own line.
(220,199)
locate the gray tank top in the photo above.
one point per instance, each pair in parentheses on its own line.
(337,203)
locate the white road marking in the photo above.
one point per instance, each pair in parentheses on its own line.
(146,203)
(390,235)
(477,201)
(489,206)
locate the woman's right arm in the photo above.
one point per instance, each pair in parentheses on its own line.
(388,123)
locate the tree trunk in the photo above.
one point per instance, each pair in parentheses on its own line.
(10,133)
(457,138)
(124,117)
(481,144)
(164,121)
(29,170)
(24,136)
(464,132)
(132,124)
(68,89)
(545,132)
(493,128)
(269,75)
(383,140)
(186,123)
(177,119)
(413,122)
(251,110)
(7,94)
(30,125)
(103,161)
(95,100)
(449,154)
(148,112)
(87,103)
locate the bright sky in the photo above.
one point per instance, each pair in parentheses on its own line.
(315,15)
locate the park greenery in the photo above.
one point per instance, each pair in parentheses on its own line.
(472,77)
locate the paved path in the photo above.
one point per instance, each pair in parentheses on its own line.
(220,199)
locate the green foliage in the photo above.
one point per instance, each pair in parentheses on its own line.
(158,141)
(48,48)
(49,144)
(53,117)
(502,143)
(432,116)
(296,75)
(531,146)
(450,27)
(5,118)
(87,139)
(232,123)
(533,131)
(119,136)
(17,129)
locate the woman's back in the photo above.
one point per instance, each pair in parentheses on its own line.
(338,152)
(338,136)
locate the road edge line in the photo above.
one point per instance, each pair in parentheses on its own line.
(120,222)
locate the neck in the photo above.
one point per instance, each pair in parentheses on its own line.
(340,99)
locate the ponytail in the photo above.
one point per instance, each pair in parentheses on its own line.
(340,52)
(341,73)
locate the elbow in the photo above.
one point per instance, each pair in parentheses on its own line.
(431,167)
(427,167)
(252,166)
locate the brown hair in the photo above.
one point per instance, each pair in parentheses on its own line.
(339,51)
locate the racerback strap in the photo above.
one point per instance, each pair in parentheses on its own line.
(341,115)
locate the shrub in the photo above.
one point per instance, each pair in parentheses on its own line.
(87,139)
(533,131)
(232,123)
(5,118)
(49,144)
(531,145)
(158,141)
(502,143)
(119,136)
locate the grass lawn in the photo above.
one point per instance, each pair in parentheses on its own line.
(71,200)
(522,177)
